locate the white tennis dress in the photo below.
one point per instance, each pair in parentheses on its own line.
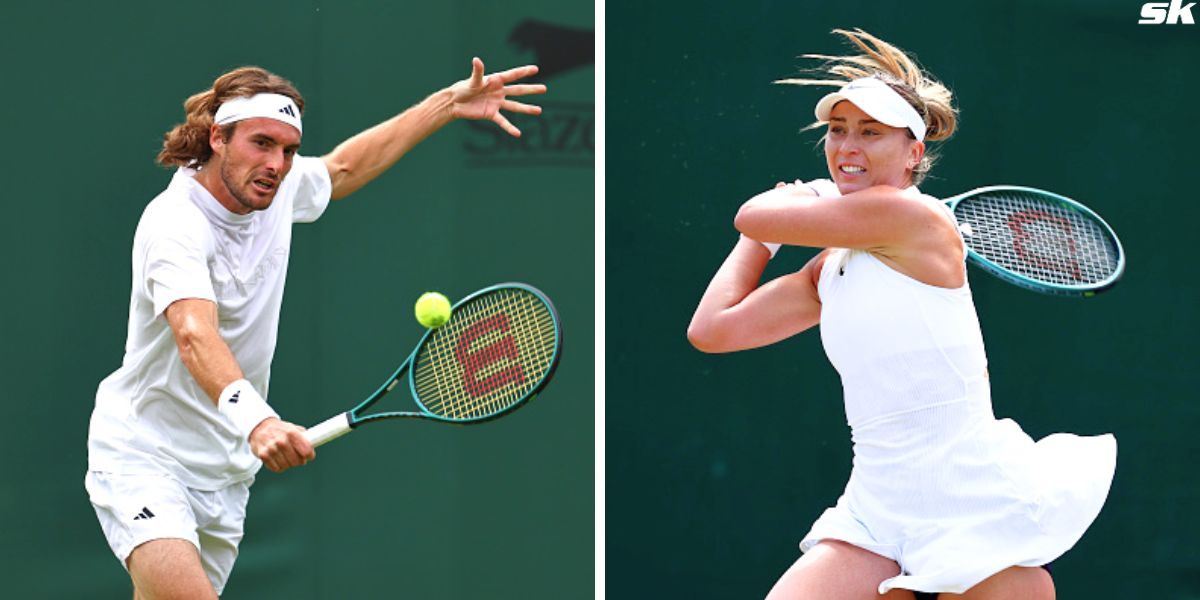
(939,485)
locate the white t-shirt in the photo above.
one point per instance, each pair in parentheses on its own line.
(151,416)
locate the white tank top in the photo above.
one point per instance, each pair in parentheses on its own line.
(900,345)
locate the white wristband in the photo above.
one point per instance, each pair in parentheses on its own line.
(770,246)
(244,407)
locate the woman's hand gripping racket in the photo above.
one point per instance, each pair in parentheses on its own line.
(1038,240)
(498,350)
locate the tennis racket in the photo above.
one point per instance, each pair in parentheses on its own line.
(498,350)
(1038,240)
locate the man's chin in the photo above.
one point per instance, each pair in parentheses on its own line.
(256,200)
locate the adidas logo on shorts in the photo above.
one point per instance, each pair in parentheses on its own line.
(145,514)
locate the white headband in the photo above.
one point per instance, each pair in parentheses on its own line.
(268,106)
(877,99)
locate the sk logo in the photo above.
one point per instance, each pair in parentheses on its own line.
(1172,13)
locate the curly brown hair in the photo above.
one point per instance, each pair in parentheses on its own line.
(186,144)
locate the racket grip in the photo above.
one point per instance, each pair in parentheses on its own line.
(329,429)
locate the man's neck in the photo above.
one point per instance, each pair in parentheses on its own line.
(209,176)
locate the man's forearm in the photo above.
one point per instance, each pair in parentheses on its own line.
(212,364)
(201,348)
(210,361)
(368,154)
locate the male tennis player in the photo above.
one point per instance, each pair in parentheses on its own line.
(179,431)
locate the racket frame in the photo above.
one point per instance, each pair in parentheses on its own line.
(342,424)
(1085,290)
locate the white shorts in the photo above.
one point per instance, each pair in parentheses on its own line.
(135,509)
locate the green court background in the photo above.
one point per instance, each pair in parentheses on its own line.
(717,465)
(413,509)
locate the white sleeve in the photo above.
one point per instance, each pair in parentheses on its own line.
(313,188)
(176,265)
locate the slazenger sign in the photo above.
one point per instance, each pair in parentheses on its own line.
(1169,13)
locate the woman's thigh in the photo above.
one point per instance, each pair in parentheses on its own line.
(834,570)
(1033,583)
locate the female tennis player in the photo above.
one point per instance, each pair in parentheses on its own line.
(943,498)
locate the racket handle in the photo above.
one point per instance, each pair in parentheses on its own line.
(329,429)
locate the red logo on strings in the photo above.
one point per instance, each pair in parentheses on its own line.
(1060,262)
(474,361)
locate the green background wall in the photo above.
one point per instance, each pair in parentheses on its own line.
(503,510)
(717,465)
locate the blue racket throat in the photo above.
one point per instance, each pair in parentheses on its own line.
(499,349)
(1038,240)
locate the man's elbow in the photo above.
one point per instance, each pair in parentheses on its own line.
(340,175)
(190,332)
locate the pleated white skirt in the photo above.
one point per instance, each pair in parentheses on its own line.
(954,495)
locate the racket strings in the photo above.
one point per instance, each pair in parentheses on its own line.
(1037,238)
(495,361)
(494,351)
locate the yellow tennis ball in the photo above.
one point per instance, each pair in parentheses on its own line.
(432,310)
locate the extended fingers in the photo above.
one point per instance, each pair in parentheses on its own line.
(524,89)
(520,107)
(516,73)
(506,125)
(476,72)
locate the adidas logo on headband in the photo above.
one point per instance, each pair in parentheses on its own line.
(259,105)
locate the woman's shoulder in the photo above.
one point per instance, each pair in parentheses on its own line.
(934,207)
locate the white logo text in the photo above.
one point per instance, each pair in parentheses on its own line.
(1172,13)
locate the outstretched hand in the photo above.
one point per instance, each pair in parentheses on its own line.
(483,97)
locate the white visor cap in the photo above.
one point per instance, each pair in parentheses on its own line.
(877,99)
